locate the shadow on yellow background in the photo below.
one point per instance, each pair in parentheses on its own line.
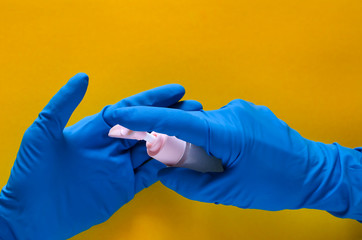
(300,58)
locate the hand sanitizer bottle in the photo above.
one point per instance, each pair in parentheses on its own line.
(171,151)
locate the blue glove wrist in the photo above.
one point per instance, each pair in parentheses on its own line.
(5,230)
(334,180)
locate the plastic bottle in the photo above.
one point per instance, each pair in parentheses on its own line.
(171,151)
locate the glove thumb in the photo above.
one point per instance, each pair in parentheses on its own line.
(55,116)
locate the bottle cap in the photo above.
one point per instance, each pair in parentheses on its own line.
(166,149)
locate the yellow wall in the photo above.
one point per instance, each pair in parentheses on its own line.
(301,58)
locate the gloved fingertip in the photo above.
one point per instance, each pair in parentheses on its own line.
(177,87)
(172,92)
(82,75)
(115,116)
(78,84)
(188,105)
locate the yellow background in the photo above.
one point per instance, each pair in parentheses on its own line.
(301,58)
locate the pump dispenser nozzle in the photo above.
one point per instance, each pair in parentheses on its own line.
(119,131)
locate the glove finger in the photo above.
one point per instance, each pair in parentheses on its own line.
(163,96)
(188,105)
(139,152)
(190,126)
(191,184)
(146,174)
(55,116)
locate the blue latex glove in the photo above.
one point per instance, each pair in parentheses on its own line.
(64,181)
(267,164)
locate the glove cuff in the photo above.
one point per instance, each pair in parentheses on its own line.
(339,189)
(5,231)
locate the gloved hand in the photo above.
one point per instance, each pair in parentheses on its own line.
(267,164)
(64,181)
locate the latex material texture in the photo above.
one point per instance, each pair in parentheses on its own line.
(64,181)
(267,164)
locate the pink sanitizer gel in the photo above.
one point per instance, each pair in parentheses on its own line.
(171,151)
